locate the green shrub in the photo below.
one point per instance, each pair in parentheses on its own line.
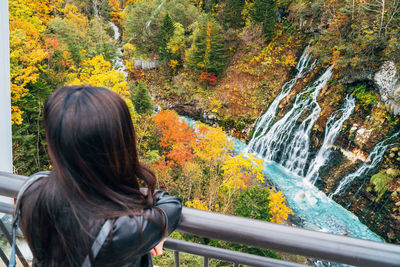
(253,202)
(381,180)
(365,96)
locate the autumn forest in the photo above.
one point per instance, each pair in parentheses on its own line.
(201,77)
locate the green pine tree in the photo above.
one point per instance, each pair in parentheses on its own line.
(208,52)
(165,34)
(208,5)
(233,13)
(141,99)
(264,12)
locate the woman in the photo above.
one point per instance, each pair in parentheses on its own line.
(93,192)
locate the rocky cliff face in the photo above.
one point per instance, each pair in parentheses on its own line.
(387,80)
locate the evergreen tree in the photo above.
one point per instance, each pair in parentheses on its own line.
(208,52)
(141,99)
(165,34)
(264,12)
(233,13)
(208,5)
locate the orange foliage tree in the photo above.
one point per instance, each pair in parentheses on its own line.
(177,138)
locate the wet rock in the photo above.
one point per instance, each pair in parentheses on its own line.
(354,128)
(358,76)
(209,118)
(387,80)
(362,136)
(188,109)
(391,235)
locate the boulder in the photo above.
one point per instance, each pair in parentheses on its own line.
(387,80)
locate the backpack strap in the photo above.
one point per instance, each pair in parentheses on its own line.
(98,242)
(15,222)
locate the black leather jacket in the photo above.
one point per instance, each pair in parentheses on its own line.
(132,237)
(128,239)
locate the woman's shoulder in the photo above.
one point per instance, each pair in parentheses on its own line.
(32,185)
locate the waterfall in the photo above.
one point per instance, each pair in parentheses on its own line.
(283,135)
(296,153)
(115,30)
(153,15)
(373,159)
(118,61)
(303,66)
(332,130)
(291,135)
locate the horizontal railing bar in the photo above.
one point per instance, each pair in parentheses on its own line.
(273,236)
(10,184)
(226,255)
(289,239)
(7,208)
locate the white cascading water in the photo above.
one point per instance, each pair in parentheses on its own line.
(286,137)
(332,130)
(115,30)
(372,161)
(303,66)
(118,61)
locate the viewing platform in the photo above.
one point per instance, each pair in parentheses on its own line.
(283,238)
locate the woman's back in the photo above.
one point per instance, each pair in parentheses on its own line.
(96,177)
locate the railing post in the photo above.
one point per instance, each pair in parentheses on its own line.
(5,95)
(4,257)
(176,258)
(10,240)
(205,264)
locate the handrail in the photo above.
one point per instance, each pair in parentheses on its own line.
(341,249)
(289,239)
(226,255)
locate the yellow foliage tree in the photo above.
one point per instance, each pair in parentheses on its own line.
(240,172)
(74,18)
(213,146)
(190,181)
(27,22)
(99,72)
(278,208)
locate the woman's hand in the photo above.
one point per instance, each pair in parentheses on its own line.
(158,250)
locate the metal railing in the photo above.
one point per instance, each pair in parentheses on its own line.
(316,245)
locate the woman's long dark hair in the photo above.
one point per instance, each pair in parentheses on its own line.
(96,174)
